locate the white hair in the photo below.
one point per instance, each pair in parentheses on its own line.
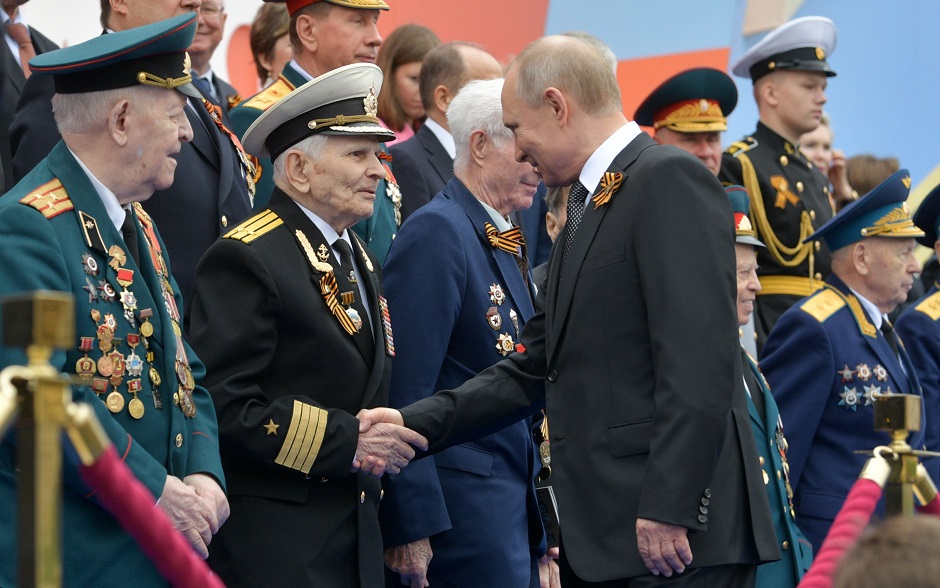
(310,146)
(82,113)
(476,107)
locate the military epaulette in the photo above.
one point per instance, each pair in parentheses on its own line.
(268,97)
(741,146)
(930,306)
(255,227)
(823,304)
(50,199)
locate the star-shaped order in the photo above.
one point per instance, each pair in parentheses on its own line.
(871,394)
(271,427)
(846,372)
(849,399)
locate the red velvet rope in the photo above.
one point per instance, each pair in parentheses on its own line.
(932,507)
(852,518)
(134,507)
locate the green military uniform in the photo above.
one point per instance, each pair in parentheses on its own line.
(56,235)
(378,230)
(789,201)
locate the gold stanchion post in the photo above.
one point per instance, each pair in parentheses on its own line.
(899,415)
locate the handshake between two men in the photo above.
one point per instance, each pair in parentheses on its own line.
(385,444)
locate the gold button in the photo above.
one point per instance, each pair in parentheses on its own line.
(817,245)
(799,186)
(785,545)
(818,276)
(784,161)
(766,477)
(761,459)
(362,497)
(779,475)
(812,215)
(382,494)
(179,439)
(224,221)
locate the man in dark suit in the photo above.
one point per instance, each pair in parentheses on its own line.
(425,163)
(472,505)
(290,320)
(834,353)
(212,17)
(636,370)
(211,188)
(15,71)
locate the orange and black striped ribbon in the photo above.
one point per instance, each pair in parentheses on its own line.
(512,241)
(610,183)
(328,289)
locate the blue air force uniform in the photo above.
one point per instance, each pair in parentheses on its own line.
(136,371)
(828,362)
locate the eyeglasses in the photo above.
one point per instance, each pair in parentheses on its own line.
(211,10)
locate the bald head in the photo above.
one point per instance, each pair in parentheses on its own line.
(448,68)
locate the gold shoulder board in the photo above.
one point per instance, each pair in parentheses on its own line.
(50,199)
(823,305)
(266,98)
(930,306)
(255,227)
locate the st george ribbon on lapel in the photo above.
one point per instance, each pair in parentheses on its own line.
(575,210)
(129,232)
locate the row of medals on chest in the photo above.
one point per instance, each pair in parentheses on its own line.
(109,371)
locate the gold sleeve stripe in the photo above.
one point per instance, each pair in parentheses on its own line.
(255,227)
(304,438)
(823,305)
(930,306)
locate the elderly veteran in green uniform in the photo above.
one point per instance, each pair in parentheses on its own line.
(789,196)
(689,111)
(296,335)
(796,552)
(327,34)
(75,224)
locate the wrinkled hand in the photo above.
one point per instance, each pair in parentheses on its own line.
(549,576)
(411,561)
(664,548)
(839,178)
(386,448)
(188,512)
(369,416)
(210,491)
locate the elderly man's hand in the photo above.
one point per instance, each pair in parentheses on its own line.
(369,416)
(664,548)
(549,576)
(210,491)
(386,448)
(411,561)
(188,512)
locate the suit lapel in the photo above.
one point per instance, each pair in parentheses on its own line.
(508,268)
(439,158)
(751,407)
(14,71)
(590,223)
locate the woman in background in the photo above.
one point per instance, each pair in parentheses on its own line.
(817,147)
(270,43)
(400,108)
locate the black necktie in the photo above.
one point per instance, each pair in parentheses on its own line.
(349,296)
(753,386)
(575,210)
(887,329)
(129,232)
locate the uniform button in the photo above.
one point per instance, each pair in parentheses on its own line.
(779,475)
(785,545)
(761,460)
(705,501)
(362,497)
(703,509)
(817,245)
(812,215)
(799,186)
(224,221)
(707,493)
(818,276)
(702,518)
(552,376)
(179,440)
(381,494)
(784,161)
(324,479)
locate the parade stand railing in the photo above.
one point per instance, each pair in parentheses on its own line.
(894,472)
(38,397)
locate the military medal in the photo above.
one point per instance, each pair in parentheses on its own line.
(387,327)
(125,277)
(99,386)
(496,294)
(493,319)
(91,289)
(849,399)
(846,372)
(146,328)
(504,345)
(118,257)
(871,393)
(85,366)
(881,374)
(863,372)
(90,264)
(133,362)
(107,291)
(155,382)
(115,402)
(135,407)
(105,338)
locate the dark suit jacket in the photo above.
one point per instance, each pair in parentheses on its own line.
(636,354)
(12,82)
(208,193)
(422,168)
(478,504)
(827,404)
(228,95)
(278,356)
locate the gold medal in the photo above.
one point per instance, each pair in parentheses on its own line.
(105,367)
(115,402)
(545,454)
(136,408)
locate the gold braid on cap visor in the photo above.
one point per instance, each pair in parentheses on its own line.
(149,79)
(341,120)
(896,223)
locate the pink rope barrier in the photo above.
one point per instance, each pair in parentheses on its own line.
(852,518)
(133,506)
(932,507)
